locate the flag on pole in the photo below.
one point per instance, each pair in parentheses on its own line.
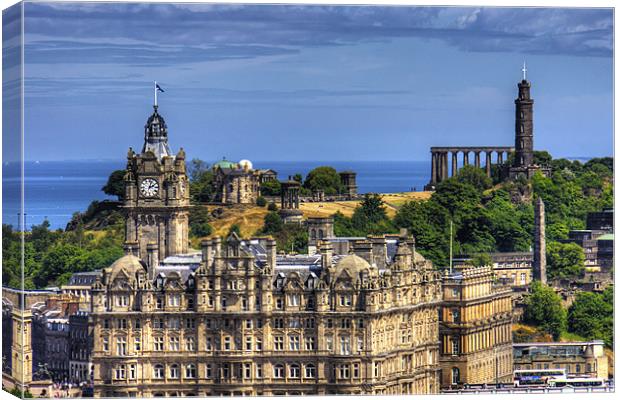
(159,88)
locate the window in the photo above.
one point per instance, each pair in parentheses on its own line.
(105,344)
(278,371)
(523,278)
(158,323)
(456,376)
(106,324)
(211,284)
(248,343)
(455,292)
(137,324)
(244,303)
(356,370)
(294,323)
(345,323)
(190,303)
(209,344)
(119,372)
(158,343)
(345,345)
(360,344)
(137,343)
(209,371)
(248,324)
(455,314)
(158,371)
(173,344)
(309,343)
(278,343)
(122,300)
(293,342)
(227,342)
(174,323)
(190,371)
(578,368)
(210,301)
(455,345)
(330,323)
(294,371)
(159,303)
(279,303)
(329,343)
(190,323)
(259,344)
(360,323)
(293,300)
(121,346)
(310,371)
(247,371)
(132,371)
(259,370)
(343,371)
(174,300)
(345,300)
(174,371)
(190,344)
(278,323)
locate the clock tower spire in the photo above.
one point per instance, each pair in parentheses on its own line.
(156,200)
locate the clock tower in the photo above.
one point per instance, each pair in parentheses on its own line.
(156,200)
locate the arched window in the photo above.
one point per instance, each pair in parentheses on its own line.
(294,371)
(456,376)
(158,371)
(174,371)
(313,234)
(278,371)
(320,233)
(310,371)
(190,371)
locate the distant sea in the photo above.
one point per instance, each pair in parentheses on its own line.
(54,190)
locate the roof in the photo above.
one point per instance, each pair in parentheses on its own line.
(156,136)
(224,163)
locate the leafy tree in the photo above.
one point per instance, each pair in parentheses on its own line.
(565,260)
(543,308)
(323,178)
(60,258)
(196,169)
(199,222)
(542,158)
(202,181)
(481,260)
(271,188)
(298,177)
(475,177)
(272,224)
(592,316)
(272,207)
(116,184)
(261,202)
(234,228)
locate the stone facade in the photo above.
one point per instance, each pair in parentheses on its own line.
(319,229)
(349,181)
(475,329)
(245,323)
(156,199)
(289,201)
(237,183)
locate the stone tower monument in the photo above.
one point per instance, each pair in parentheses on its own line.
(156,200)
(524,125)
(540,248)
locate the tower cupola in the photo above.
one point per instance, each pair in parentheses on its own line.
(156,136)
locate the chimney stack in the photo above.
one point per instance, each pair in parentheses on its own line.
(152,256)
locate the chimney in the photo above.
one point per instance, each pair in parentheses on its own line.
(326,250)
(152,257)
(363,248)
(217,244)
(131,248)
(207,251)
(270,246)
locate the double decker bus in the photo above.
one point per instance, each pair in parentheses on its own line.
(537,377)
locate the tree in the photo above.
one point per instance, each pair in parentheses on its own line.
(592,316)
(116,184)
(234,228)
(542,158)
(60,258)
(543,308)
(271,188)
(199,222)
(261,202)
(272,224)
(272,207)
(325,179)
(202,181)
(196,169)
(481,260)
(564,260)
(475,177)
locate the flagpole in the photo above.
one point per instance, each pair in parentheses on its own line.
(155,89)
(450,246)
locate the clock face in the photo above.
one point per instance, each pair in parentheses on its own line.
(149,187)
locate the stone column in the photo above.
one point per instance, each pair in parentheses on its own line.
(465,158)
(477,159)
(444,157)
(540,250)
(500,157)
(454,163)
(433,167)
(488,164)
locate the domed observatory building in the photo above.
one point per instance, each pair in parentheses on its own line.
(236,183)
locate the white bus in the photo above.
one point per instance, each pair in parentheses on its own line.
(530,377)
(578,382)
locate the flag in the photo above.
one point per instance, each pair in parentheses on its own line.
(159,88)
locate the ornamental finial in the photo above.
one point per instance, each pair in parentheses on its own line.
(524,70)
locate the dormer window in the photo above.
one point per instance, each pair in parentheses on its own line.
(280,281)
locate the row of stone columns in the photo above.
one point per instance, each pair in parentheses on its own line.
(439,166)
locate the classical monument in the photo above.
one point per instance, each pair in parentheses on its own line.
(523,150)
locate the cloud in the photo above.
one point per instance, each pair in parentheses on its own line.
(259,30)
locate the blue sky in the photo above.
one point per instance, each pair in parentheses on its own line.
(312,82)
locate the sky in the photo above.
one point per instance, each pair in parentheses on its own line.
(268,82)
